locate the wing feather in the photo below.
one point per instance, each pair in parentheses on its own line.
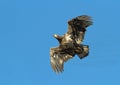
(57,59)
(77,27)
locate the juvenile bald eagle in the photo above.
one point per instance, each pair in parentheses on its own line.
(70,43)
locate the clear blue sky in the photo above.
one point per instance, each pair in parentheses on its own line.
(26,28)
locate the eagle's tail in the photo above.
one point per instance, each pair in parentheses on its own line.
(84,53)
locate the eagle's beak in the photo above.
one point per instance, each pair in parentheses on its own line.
(55,35)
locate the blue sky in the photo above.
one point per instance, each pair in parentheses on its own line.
(26,28)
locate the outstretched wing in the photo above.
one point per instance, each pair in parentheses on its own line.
(77,27)
(58,57)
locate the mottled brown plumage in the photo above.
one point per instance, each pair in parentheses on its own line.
(70,43)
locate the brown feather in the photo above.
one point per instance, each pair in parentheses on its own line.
(70,43)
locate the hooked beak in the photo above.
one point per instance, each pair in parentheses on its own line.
(55,35)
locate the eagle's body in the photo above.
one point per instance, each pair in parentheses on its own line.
(70,43)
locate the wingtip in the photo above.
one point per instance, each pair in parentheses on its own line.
(56,65)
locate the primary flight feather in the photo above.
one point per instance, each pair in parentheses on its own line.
(70,43)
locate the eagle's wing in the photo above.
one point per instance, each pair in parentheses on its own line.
(58,57)
(77,27)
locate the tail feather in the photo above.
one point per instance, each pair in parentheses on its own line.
(85,52)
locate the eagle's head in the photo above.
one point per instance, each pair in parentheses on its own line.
(55,36)
(59,38)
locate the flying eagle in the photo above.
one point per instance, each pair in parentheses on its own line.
(70,43)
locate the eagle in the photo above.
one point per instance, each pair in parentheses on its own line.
(70,44)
